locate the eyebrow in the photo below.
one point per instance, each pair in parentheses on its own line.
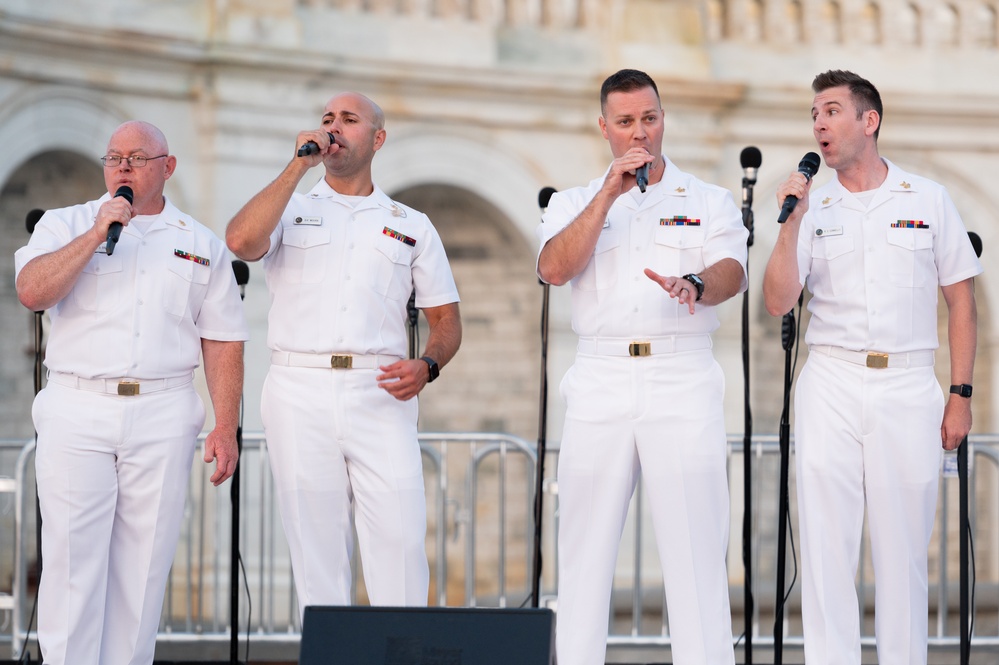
(332,114)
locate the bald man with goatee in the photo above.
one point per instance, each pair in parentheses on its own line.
(339,403)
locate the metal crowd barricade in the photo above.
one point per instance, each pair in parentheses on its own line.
(480,495)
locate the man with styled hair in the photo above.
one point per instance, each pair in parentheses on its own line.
(873,246)
(647,265)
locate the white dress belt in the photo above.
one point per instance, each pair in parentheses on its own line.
(126,387)
(876,360)
(330,360)
(609,346)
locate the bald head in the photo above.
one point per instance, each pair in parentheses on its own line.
(359,104)
(136,138)
(150,135)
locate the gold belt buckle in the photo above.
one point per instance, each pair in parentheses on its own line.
(640,349)
(341,361)
(877,360)
(128,388)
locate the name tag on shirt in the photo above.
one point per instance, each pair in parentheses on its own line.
(831,231)
(308,221)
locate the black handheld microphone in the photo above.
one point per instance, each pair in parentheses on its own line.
(642,177)
(311,147)
(114,231)
(31,220)
(808,166)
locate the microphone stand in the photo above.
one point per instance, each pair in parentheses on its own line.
(30,222)
(413,318)
(965,529)
(788,330)
(539,474)
(962,474)
(747,439)
(242,273)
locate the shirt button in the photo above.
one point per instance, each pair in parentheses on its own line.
(348,278)
(343,309)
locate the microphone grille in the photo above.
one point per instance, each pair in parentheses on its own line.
(751,157)
(125,192)
(545,195)
(32,219)
(976,242)
(241,271)
(810,164)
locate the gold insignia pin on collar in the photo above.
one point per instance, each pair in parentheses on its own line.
(181,222)
(680,190)
(826,201)
(905,185)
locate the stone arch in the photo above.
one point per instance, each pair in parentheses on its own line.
(50,179)
(504,181)
(54,119)
(492,385)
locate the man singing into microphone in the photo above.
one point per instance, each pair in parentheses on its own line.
(873,246)
(119,418)
(339,403)
(645,393)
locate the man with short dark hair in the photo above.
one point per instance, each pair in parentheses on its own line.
(873,246)
(119,418)
(647,268)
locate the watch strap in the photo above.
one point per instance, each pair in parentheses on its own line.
(698,284)
(964,390)
(433,368)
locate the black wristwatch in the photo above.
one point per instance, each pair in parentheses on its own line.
(698,284)
(435,370)
(964,390)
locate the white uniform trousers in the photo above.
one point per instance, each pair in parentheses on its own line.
(112,479)
(335,439)
(661,416)
(869,434)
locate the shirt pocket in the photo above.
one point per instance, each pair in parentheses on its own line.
(186,282)
(679,250)
(99,287)
(833,256)
(302,256)
(393,276)
(601,270)
(910,257)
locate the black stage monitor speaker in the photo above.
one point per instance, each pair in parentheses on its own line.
(427,636)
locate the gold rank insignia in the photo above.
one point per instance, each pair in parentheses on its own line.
(904,185)
(680,190)
(181,222)
(826,201)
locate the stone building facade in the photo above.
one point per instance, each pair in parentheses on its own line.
(487,101)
